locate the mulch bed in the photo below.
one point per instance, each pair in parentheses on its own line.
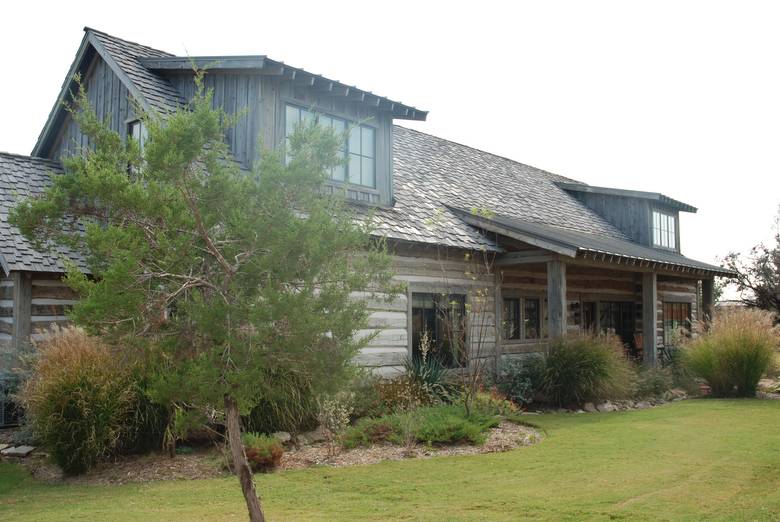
(210,462)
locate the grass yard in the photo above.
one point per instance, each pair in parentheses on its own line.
(689,460)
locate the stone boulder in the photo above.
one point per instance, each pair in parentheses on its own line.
(589,407)
(606,407)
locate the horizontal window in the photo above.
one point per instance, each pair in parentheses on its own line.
(522,318)
(357,150)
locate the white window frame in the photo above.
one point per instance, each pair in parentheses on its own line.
(663,228)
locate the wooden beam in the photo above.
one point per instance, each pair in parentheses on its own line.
(22,308)
(650,318)
(524,257)
(707,298)
(556,298)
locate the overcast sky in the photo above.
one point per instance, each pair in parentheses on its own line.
(675,97)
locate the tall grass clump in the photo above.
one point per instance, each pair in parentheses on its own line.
(80,401)
(735,352)
(586,368)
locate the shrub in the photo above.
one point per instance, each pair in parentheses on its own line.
(263,452)
(80,400)
(520,379)
(334,413)
(493,402)
(366,402)
(430,377)
(372,431)
(402,393)
(586,368)
(290,405)
(442,424)
(735,352)
(653,382)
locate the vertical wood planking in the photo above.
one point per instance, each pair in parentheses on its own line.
(556,298)
(649,318)
(22,308)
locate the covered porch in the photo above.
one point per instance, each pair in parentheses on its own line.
(552,282)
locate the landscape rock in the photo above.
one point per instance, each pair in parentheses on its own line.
(282,436)
(643,405)
(312,437)
(606,407)
(17,451)
(589,407)
(4,446)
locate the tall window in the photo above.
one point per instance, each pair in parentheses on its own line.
(664,230)
(137,131)
(358,149)
(521,318)
(677,321)
(438,326)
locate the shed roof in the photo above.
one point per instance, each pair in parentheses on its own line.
(571,244)
(639,194)
(22,177)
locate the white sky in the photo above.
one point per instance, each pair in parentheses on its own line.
(675,97)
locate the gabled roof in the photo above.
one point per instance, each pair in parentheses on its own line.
(265,65)
(639,194)
(152,91)
(570,243)
(20,178)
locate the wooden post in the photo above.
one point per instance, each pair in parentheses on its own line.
(707,297)
(22,308)
(498,319)
(556,298)
(650,318)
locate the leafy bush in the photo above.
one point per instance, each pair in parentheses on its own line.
(290,405)
(586,368)
(262,451)
(735,352)
(493,402)
(653,382)
(79,400)
(442,424)
(520,379)
(366,401)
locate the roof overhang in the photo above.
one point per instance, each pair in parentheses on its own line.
(263,65)
(90,44)
(569,244)
(639,194)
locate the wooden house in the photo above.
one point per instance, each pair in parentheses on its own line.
(567,256)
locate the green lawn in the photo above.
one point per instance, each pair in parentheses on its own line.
(690,460)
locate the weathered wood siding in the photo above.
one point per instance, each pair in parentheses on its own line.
(48,300)
(425,270)
(110,100)
(262,99)
(630,215)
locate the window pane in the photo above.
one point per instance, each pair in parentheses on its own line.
(292,116)
(325,121)
(511,319)
(367,175)
(354,169)
(367,142)
(531,318)
(354,140)
(339,172)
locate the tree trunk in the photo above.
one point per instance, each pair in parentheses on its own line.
(240,464)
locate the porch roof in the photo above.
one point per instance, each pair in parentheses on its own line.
(569,243)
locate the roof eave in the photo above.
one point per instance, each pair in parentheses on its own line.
(610,191)
(266,66)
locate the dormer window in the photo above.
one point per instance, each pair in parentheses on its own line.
(664,230)
(359,166)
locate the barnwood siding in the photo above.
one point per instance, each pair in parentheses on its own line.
(264,120)
(238,95)
(111,102)
(6,318)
